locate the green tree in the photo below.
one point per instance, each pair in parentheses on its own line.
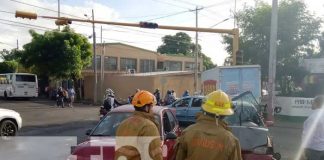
(7,55)
(297,30)
(181,44)
(55,54)
(8,67)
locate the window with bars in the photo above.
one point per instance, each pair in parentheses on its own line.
(147,65)
(173,65)
(128,63)
(110,63)
(189,66)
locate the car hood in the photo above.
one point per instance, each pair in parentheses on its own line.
(95,146)
(250,137)
(8,113)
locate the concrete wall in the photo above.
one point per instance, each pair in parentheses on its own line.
(126,85)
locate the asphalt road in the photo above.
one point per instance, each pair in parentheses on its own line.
(41,118)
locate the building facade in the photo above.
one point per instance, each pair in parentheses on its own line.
(123,58)
(125,68)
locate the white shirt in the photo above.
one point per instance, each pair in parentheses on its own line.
(314,131)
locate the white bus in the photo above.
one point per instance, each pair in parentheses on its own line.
(23,85)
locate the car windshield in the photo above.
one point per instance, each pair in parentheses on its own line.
(245,111)
(109,125)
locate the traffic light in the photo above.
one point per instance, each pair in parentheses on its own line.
(239,57)
(148,25)
(63,21)
(28,15)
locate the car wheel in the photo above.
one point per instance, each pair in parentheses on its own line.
(277,156)
(8,128)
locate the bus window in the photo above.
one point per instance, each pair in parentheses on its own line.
(25,78)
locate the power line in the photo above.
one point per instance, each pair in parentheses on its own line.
(7,44)
(7,12)
(171,4)
(153,15)
(118,27)
(44,8)
(219,22)
(189,3)
(174,14)
(26,24)
(217,4)
(10,24)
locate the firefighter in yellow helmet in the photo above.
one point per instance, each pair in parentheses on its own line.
(210,138)
(141,125)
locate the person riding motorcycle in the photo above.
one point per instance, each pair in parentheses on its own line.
(109,102)
(132,133)
(210,138)
(60,97)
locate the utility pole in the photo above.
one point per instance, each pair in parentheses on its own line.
(95,89)
(102,64)
(196,52)
(58,11)
(272,59)
(17,44)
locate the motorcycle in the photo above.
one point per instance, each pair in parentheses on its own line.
(60,101)
(106,107)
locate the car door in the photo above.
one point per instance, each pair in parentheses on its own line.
(194,108)
(169,125)
(182,107)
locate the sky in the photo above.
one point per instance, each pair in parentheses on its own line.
(163,12)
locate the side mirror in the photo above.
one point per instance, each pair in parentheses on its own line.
(171,135)
(269,123)
(88,132)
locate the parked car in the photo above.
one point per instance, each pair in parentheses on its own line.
(10,122)
(102,136)
(246,123)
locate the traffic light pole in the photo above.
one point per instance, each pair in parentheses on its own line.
(234,32)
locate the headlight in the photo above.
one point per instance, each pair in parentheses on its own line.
(260,150)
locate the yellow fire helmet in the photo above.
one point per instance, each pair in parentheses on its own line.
(218,103)
(141,98)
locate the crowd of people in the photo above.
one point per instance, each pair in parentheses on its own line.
(168,99)
(63,95)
